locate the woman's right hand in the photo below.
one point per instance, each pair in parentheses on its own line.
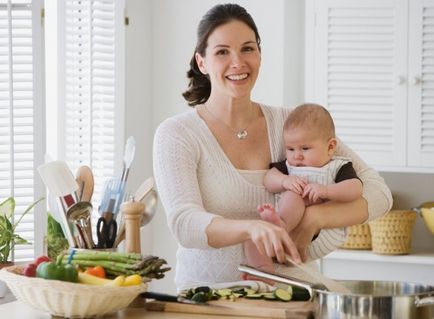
(272,241)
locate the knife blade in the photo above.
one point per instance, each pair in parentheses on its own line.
(170,298)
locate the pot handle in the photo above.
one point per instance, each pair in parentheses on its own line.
(422,302)
(279,278)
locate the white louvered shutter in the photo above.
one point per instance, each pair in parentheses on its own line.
(93,87)
(360,50)
(21,116)
(421,84)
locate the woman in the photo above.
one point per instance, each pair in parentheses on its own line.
(209,162)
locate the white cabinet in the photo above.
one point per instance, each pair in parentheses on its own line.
(371,63)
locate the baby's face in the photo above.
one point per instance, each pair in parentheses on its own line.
(305,148)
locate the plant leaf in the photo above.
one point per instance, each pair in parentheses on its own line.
(19,240)
(7,207)
(28,209)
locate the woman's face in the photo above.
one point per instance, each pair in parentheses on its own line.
(232,60)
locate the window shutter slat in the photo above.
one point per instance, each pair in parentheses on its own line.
(90,88)
(17,112)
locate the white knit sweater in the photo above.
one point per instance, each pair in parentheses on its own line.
(196,182)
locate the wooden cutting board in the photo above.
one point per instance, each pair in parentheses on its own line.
(240,307)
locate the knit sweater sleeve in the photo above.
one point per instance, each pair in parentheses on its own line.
(175,158)
(375,190)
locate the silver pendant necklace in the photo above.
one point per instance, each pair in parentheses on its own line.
(240,134)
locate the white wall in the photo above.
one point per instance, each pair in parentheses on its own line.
(159,44)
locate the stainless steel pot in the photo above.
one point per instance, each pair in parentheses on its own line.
(368,299)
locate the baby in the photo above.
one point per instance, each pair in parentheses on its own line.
(309,175)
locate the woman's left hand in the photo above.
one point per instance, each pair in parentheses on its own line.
(304,232)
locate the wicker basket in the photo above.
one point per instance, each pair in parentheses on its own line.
(391,234)
(65,299)
(359,237)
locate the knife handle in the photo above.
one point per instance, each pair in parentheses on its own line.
(159,296)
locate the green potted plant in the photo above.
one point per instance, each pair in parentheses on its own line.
(8,237)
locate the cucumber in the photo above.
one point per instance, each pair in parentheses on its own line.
(249,291)
(200,297)
(282,295)
(299,294)
(224,292)
(269,296)
(204,289)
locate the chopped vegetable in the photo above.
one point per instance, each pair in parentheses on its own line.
(282,294)
(300,294)
(200,297)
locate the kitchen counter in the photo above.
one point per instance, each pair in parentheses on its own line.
(19,310)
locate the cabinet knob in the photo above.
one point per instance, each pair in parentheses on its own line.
(416,80)
(400,80)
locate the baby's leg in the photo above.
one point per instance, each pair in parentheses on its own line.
(257,260)
(291,209)
(268,213)
(254,258)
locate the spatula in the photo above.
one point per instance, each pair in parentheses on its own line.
(60,182)
(84,178)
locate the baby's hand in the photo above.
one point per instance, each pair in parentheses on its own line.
(294,183)
(315,192)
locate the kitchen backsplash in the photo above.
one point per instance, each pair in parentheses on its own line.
(410,190)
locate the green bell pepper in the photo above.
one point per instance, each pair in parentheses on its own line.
(57,271)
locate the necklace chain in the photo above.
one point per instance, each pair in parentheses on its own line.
(240,134)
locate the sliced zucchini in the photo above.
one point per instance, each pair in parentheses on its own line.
(249,291)
(240,291)
(300,294)
(204,289)
(190,293)
(254,296)
(224,292)
(269,296)
(200,297)
(282,294)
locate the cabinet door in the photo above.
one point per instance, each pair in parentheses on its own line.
(421,84)
(356,65)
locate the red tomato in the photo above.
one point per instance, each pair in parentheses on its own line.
(41,259)
(30,270)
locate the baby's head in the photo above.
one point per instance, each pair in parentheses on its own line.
(309,136)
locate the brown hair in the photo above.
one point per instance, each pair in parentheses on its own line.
(199,87)
(313,117)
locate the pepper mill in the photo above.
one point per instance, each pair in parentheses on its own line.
(132,212)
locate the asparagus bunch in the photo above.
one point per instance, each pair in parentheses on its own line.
(118,263)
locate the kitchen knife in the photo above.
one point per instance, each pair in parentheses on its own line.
(170,298)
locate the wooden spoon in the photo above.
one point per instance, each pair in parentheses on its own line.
(84,178)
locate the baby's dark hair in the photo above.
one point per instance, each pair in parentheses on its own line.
(199,87)
(313,117)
